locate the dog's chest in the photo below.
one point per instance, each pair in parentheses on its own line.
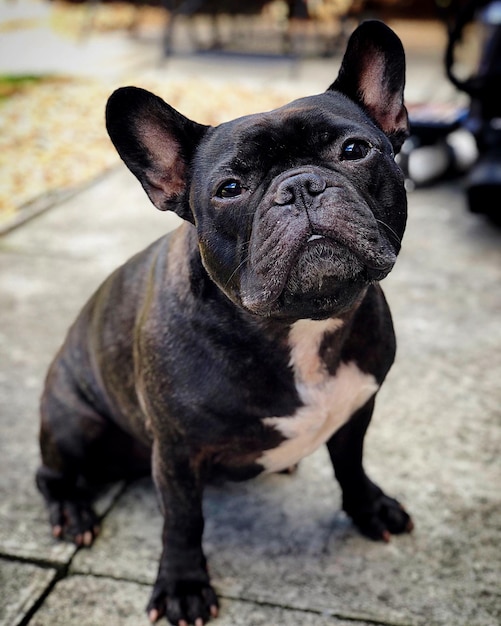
(328,401)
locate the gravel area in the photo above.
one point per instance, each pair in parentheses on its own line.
(51,137)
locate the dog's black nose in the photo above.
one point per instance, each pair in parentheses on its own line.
(300,189)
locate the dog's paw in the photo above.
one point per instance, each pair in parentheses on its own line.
(70,512)
(74,521)
(380,517)
(183,603)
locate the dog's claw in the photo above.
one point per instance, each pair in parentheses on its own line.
(381,517)
(88,538)
(183,603)
(57,531)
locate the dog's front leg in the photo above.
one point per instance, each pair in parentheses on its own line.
(374,513)
(182,591)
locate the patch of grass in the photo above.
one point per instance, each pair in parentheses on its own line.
(11,84)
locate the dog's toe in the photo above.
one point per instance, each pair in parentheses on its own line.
(381,517)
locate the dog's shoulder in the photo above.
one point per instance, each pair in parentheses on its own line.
(371,341)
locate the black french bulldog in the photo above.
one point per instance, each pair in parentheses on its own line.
(252,334)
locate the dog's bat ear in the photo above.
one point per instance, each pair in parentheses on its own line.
(373,75)
(156,143)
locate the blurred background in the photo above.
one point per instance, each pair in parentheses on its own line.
(213,60)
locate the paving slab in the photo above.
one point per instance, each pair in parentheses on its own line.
(22,586)
(121,603)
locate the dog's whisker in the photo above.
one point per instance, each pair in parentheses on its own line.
(390,230)
(236,270)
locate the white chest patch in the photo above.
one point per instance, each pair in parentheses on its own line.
(328,401)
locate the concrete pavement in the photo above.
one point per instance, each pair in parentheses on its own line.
(279,548)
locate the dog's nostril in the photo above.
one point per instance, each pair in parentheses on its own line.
(299,186)
(284,195)
(315,185)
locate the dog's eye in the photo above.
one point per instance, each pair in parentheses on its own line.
(354,150)
(229,189)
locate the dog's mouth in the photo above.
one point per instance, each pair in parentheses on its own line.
(320,263)
(323,276)
(336,257)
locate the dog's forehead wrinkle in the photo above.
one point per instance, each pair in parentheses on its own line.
(312,110)
(297,123)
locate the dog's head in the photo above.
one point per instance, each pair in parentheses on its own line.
(299,209)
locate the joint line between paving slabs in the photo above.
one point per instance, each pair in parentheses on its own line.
(60,572)
(349,617)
